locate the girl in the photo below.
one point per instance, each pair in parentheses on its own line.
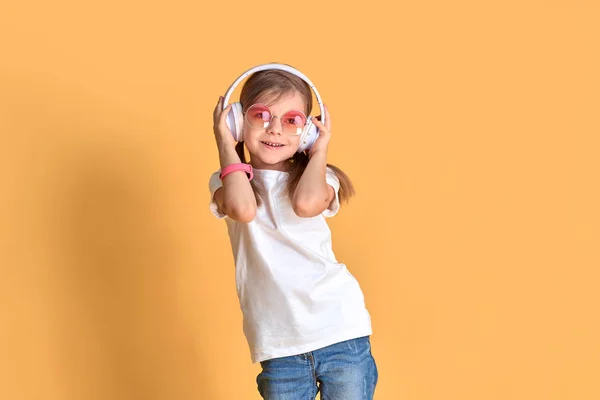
(304,313)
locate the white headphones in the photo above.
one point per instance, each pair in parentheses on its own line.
(235,118)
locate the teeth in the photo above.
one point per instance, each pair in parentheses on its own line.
(273,144)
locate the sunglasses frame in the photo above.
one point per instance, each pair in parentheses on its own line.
(273,116)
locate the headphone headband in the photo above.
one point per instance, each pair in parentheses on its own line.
(281,67)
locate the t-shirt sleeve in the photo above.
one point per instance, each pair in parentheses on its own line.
(213,184)
(332,180)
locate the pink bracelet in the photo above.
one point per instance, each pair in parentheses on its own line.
(247,168)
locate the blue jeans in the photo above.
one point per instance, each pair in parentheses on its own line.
(342,371)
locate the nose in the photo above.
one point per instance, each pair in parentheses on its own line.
(275,127)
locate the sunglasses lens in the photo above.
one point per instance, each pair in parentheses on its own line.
(293,121)
(258,116)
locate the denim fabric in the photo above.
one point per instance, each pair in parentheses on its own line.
(342,371)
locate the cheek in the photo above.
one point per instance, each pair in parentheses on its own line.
(290,151)
(249,133)
(250,137)
(292,146)
(294,142)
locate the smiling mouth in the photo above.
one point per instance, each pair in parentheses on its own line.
(271,144)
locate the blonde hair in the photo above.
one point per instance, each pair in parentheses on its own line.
(279,83)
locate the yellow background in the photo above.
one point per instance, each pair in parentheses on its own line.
(470,130)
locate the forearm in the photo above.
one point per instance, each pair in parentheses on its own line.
(312,193)
(238,200)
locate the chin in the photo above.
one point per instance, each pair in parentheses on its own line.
(269,156)
(273,160)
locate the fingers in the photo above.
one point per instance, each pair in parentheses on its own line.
(319,124)
(219,102)
(219,112)
(224,114)
(323,131)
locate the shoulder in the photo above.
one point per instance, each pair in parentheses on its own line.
(332,179)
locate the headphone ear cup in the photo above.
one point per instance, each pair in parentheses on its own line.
(235,121)
(308,137)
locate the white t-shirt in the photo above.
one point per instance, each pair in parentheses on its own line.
(294,295)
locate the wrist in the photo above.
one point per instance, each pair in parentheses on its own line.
(228,155)
(247,168)
(225,143)
(318,154)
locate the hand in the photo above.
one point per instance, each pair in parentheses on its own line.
(322,141)
(223,134)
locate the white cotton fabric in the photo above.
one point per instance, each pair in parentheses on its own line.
(294,295)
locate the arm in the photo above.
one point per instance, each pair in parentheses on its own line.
(313,195)
(236,197)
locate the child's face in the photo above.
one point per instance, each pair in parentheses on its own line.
(259,141)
